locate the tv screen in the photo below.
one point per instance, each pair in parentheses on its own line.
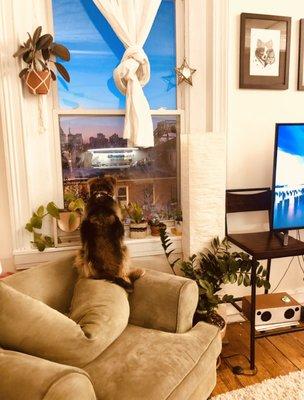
(288,178)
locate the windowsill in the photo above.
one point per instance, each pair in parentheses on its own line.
(148,246)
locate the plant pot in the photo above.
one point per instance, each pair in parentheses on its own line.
(64,221)
(154,230)
(138,231)
(179,227)
(38,82)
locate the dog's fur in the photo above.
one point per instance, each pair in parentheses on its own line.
(103,254)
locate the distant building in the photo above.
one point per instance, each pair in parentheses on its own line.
(75,140)
(63,137)
(164,131)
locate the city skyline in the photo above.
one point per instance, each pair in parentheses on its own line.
(90,126)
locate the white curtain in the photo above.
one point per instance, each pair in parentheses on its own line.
(132,21)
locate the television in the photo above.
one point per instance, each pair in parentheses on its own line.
(288,178)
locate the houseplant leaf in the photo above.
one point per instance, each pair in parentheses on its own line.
(36,221)
(21,51)
(53,210)
(29,227)
(63,72)
(44,41)
(40,211)
(60,51)
(23,72)
(36,35)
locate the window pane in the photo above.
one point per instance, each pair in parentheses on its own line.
(96,51)
(93,146)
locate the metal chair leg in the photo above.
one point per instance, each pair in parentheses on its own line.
(268,273)
(252,318)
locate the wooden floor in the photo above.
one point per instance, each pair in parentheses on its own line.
(277,355)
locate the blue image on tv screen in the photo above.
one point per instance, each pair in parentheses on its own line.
(288,207)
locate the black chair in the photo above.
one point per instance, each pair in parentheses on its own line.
(264,245)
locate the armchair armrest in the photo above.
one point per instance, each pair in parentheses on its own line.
(26,377)
(164,302)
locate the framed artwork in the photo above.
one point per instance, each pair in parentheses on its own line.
(301,57)
(264,51)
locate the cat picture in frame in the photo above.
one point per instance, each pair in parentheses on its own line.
(264,51)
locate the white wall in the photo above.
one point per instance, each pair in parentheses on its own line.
(253,113)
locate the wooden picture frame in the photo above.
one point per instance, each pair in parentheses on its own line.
(301,57)
(264,51)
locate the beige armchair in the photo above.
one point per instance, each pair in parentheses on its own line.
(158,356)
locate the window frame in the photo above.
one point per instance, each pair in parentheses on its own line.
(179,111)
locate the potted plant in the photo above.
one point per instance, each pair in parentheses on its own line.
(70,218)
(156,225)
(178,222)
(138,224)
(211,269)
(41,241)
(38,52)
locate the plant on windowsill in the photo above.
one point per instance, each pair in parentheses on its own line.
(38,52)
(156,225)
(178,222)
(68,219)
(41,241)
(138,224)
(212,269)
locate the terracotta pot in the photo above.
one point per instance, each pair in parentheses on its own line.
(138,231)
(63,222)
(154,230)
(38,82)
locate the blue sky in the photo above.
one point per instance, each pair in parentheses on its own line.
(291,139)
(96,51)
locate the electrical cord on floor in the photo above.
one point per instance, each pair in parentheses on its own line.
(237,369)
(289,265)
(283,276)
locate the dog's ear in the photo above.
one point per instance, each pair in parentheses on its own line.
(111,180)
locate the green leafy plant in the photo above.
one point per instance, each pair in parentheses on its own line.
(75,205)
(39,51)
(135,213)
(154,221)
(167,246)
(178,215)
(35,223)
(212,269)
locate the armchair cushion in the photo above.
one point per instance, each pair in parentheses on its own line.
(164,302)
(99,314)
(28,377)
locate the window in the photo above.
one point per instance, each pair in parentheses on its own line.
(91,109)
(96,51)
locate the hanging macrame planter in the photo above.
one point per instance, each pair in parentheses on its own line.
(38,82)
(39,52)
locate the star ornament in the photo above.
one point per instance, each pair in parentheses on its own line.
(184,73)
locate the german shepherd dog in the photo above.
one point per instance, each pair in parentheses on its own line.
(103,254)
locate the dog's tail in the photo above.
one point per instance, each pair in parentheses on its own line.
(128,286)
